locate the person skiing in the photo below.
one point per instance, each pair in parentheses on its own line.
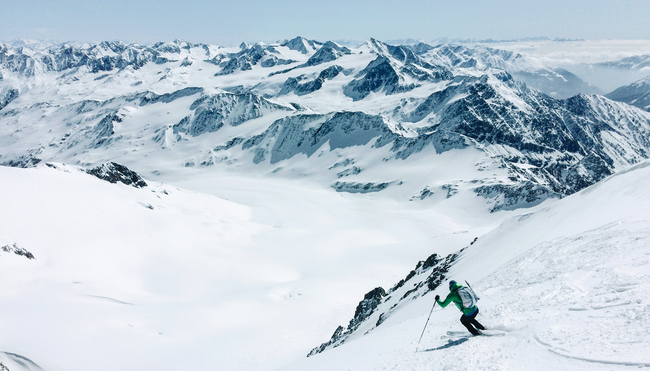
(468,319)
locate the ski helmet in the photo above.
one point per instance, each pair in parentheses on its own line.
(452,283)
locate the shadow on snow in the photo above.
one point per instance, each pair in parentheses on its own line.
(450,343)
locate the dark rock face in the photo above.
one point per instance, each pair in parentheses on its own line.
(8,97)
(231,143)
(379,75)
(368,305)
(113,172)
(330,51)
(20,251)
(401,53)
(514,196)
(421,48)
(387,73)
(27,160)
(298,44)
(211,112)
(247,58)
(364,310)
(150,97)
(359,187)
(293,83)
(275,61)
(105,129)
(351,171)
(289,137)
(636,94)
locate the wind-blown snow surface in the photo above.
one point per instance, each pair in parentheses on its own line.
(164,278)
(569,284)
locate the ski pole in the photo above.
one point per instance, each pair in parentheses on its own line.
(425,325)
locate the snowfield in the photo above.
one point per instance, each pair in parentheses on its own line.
(122,275)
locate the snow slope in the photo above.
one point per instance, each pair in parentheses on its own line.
(122,275)
(210,283)
(568,284)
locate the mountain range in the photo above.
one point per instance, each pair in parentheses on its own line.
(361,111)
(635,94)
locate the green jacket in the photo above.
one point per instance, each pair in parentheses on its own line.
(455,298)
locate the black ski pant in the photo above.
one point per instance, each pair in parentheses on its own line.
(470,322)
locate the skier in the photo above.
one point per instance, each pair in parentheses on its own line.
(468,319)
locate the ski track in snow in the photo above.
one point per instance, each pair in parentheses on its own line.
(581,307)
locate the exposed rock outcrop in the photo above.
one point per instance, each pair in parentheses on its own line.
(378,305)
(113,172)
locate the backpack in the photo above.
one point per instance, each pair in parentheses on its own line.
(467,296)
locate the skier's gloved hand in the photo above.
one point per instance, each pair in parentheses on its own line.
(437,297)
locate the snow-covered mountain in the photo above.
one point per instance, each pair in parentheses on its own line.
(636,94)
(357,115)
(103,57)
(554,81)
(616,73)
(633,63)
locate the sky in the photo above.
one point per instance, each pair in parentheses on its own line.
(231,22)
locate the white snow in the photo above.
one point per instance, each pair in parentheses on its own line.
(568,283)
(211,283)
(249,267)
(123,275)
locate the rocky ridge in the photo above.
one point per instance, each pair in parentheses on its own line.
(379,304)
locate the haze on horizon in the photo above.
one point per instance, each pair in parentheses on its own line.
(229,23)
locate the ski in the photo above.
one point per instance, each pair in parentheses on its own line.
(455,334)
(492,333)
